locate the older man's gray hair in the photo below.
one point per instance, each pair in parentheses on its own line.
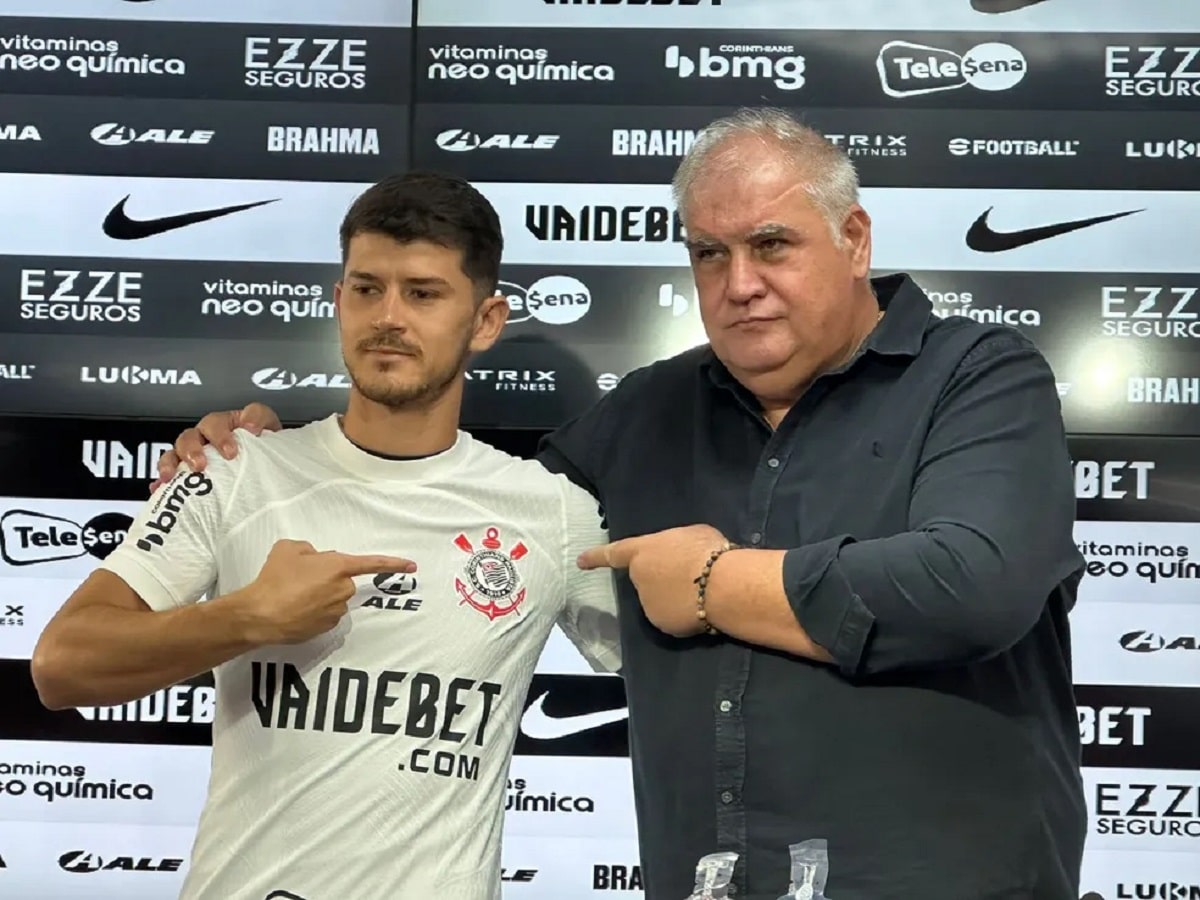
(828,174)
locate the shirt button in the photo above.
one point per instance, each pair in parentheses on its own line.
(725,706)
(756,538)
(773,463)
(726,796)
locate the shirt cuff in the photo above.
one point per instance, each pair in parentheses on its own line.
(824,602)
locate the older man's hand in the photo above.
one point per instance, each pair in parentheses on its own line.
(663,567)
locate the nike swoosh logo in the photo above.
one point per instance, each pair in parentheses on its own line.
(982,238)
(995,7)
(118,225)
(538,725)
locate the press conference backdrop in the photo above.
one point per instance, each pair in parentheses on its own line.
(172,176)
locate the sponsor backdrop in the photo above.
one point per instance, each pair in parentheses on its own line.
(173,174)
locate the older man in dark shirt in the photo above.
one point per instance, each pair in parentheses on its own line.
(843,538)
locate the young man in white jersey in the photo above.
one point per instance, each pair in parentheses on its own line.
(360,748)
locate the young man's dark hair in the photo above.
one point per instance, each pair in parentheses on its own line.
(430,206)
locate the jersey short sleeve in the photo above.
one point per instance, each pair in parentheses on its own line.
(169,556)
(589,617)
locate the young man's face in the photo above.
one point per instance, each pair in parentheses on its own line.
(409,317)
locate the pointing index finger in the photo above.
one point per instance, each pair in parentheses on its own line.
(368,564)
(614,556)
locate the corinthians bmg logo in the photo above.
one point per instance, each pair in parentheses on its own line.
(492,575)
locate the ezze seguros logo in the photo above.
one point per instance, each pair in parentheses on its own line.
(28,537)
(910,70)
(164,515)
(308,63)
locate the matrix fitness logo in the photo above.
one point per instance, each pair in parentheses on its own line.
(910,70)
(493,586)
(81,57)
(28,538)
(511,65)
(55,783)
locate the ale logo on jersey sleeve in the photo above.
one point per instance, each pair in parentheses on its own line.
(493,584)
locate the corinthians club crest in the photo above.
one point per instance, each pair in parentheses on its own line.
(493,585)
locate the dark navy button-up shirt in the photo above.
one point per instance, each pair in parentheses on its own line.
(924,494)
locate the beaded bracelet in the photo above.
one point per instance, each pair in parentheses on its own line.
(701,583)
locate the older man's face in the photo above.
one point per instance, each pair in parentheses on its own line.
(777,291)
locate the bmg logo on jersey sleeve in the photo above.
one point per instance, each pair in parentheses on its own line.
(165,515)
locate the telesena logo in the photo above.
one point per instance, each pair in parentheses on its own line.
(779,64)
(1178,149)
(652,142)
(114,134)
(11,132)
(54,783)
(1112,479)
(511,65)
(284,300)
(603,224)
(78,295)
(1140,311)
(1012,147)
(112,459)
(327,141)
(1150,642)
(275,379)
(912,70)
(532,381)
(1148,809)
(1151,71)
(459,140)
(28,538)
(139,375)
(327,64)
(82,57)
(950,304)
(1163,390)
(553,300)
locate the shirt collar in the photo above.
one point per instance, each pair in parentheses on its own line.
(900,333)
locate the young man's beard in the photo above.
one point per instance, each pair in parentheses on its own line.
(418,394)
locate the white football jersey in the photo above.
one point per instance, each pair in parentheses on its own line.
(371,762)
